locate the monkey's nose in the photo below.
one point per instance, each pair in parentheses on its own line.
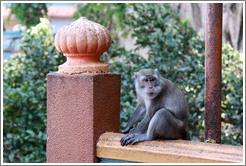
(150,87)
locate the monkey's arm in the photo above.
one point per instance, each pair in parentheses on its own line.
(142,126)
(138,113)
(138,134)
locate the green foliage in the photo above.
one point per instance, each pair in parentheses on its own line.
(110,15)
(24,78)
(28,14)
(103,13)
(232,96)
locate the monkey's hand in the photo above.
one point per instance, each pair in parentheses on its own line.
(132,138)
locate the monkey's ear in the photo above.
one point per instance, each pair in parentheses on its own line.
(136,74)
(156,71)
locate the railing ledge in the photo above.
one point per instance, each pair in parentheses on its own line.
(167,151)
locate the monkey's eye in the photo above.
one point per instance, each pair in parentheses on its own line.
(152,79)
(145,80)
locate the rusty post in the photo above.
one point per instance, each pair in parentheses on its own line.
(213,72)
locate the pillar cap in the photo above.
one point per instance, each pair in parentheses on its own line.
(83,42)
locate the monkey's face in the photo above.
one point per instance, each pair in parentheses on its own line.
(148,86)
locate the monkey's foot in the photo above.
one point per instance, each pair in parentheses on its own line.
(132,138)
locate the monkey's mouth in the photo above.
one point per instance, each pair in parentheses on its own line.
(150,93)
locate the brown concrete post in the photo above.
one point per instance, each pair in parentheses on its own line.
(213,72)
(83,99)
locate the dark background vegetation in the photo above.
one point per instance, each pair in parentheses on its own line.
(174,48)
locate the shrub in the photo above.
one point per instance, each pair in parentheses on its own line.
(103,13)
(28,14)
(24,82)
(232,96)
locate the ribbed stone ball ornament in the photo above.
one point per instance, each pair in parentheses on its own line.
(83,42)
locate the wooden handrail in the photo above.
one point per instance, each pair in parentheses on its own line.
(167,151)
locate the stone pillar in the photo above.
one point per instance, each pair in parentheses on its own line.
(83,98)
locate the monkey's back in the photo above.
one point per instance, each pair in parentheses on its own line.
(174,100)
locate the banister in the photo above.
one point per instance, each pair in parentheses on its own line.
(167,151)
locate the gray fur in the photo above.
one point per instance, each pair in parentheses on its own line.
(164,106)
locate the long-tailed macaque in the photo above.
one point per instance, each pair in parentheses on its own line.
(163,106)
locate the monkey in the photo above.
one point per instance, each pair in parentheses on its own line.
(161,106)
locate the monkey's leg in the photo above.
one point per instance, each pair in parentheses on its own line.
(138,113)
(162,125)
(165,125)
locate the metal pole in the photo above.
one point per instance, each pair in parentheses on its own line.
(213,72)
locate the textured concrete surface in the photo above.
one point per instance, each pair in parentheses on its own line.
(79,109)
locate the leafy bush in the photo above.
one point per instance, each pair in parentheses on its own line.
(28,13)
(103,13)
(232,96)
(110,15)
(24,78)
